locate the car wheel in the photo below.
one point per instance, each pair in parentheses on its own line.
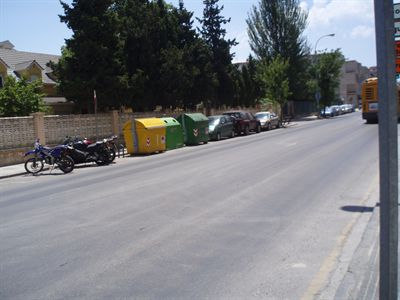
(218,136)
(246,130)
(233,133)
(269,126)
(258,130)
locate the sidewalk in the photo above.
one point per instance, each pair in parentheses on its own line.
(13,170)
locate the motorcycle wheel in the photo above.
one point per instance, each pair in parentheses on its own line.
(66,164)
(34,165)
(103,158)
(112,154)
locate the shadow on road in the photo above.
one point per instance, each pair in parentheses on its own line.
(359,208)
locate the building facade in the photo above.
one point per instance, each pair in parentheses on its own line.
(352,76)
(33,66)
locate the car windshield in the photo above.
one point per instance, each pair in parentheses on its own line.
(262,115)
(213,120)
(234,114)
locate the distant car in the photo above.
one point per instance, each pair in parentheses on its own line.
(336,110)
(220,127)
(244,122)
(327,112)
(268,120)
(346,108)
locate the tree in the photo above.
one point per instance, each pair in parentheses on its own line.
(275,81)
(247,86)
(326,72)
(276,28)
(21,97)
(91,59)
(213,34)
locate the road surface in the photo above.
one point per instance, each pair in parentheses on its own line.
(275,215)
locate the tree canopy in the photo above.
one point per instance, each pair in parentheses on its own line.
(275,28)
(326,71)
(275,80)
(213,34)
(144,53)
(21,97)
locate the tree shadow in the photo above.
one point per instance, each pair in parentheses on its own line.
(359,208)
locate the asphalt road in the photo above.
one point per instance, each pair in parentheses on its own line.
(275,215)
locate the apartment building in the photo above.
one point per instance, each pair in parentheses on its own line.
(352,76)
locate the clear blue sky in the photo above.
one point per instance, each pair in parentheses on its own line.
(34,26)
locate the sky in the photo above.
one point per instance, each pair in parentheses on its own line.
(34,25)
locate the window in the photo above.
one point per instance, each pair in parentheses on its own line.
(1,81)
(34,77)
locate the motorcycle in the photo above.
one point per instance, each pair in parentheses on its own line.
(52,156)
(84,151)
(111,146)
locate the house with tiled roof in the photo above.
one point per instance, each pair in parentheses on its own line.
(33,66)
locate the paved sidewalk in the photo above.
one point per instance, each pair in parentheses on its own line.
(13,170)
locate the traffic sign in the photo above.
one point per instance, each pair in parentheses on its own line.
(396,11)
(397,29)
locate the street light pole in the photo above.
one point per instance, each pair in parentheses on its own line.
(317,93)
(321,37)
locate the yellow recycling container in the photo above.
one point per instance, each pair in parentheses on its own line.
(145,136)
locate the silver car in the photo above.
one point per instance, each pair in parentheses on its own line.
(268,120)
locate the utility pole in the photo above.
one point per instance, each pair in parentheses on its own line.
(388,156)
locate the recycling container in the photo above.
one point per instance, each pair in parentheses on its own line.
(144,136)
(174,134)
(195,128)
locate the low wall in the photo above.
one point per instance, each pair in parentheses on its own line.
(12,156)
(17,135)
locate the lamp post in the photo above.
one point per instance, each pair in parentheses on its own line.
(318,93)
(321,37)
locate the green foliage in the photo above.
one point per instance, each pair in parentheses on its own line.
(137,53)
(326,74)
(247,86)
(20,98)
(213,34)
(276,28)
(275,80)
(92,57)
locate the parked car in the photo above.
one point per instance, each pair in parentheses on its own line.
(336,110)
(268,120)
(347,108)
(327,112)
(244,122)
(220,126)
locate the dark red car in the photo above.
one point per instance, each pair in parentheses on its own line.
(244,122)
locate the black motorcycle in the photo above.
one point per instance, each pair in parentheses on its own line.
(112,147)
(85,151)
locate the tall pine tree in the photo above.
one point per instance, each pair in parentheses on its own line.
(213,33)
(91,59)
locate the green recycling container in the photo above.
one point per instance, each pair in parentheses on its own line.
(195,128)
(174,134)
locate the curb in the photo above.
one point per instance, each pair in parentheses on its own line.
(362,277)
(12,175)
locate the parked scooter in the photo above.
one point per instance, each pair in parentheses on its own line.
(84,151)
(52,156)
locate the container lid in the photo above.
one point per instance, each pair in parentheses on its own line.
(197,117)
(169,121)
(150,122)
